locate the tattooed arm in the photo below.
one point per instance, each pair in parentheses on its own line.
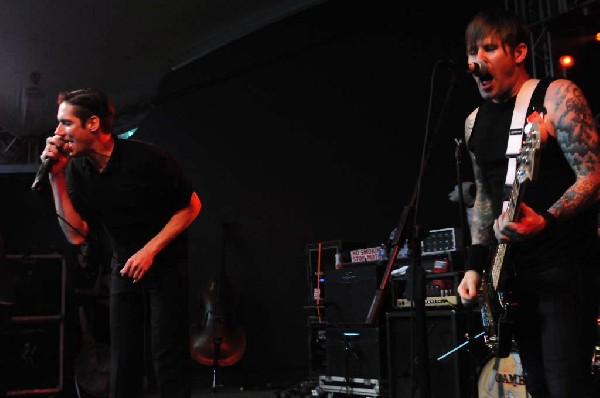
(570,120)
(573,125)
(483,217)
(481,231)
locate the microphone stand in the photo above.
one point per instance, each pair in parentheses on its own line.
(416,273)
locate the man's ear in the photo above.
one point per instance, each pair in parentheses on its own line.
(520,52)
(93,124)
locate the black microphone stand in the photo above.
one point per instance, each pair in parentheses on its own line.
(416,274)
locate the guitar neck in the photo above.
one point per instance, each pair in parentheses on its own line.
(497,264)
(515,198)
(516,195)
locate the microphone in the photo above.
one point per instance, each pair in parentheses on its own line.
(42,173)
(477,68)
(45,167)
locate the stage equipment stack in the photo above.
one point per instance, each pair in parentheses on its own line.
(32,343)
(352,356)
(347,356)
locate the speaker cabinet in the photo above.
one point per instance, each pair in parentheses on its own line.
(350,292)
(317,348)
(322,257)
(39,284)
(32,358)
(446,375)
(31,345)
(356,352)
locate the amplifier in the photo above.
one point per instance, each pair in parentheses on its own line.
(31,345)
(39,282)
(322,257)
(356,352)
(430,301)
(352,386)
(440,290)
(448,368)
(32,357)
(350,293)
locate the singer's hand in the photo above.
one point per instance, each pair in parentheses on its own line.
(138,264)
(56,149)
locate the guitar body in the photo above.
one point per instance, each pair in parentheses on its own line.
(498,311)
(499,305)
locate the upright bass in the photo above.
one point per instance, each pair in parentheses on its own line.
(218,340)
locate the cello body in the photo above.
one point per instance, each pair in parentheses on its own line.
(217,339)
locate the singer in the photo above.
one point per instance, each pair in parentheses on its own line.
(140,195)
(553,257)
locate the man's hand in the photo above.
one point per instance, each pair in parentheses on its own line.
(138,264)
(530,223)
(57,148)
(469,286)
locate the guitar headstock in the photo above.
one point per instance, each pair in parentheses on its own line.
(534,134)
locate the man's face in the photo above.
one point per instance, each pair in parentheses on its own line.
(500,82)
(78,138)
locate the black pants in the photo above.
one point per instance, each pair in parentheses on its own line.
(556,331)
(163,299)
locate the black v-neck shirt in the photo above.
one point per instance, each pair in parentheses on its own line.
(134,197)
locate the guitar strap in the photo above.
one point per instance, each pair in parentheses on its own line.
(515,135)
(530,98)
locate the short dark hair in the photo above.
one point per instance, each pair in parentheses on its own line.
(89,102)
(509,28)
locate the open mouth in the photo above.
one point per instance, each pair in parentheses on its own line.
(485,80)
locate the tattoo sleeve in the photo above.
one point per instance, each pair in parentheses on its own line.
(483,218)
(577,136)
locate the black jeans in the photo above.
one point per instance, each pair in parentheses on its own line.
(556,330)
(160,301)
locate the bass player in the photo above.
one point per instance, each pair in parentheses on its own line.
(553,243)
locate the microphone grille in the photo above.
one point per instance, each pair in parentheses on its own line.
(482,68)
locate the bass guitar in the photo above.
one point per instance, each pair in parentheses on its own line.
(499,307)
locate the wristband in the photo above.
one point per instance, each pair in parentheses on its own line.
(477,257)
(551,221)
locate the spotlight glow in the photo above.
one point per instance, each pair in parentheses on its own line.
(566,61)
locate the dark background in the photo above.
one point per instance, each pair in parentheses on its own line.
(310,130)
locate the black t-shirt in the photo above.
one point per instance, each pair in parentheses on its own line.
(139,191)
